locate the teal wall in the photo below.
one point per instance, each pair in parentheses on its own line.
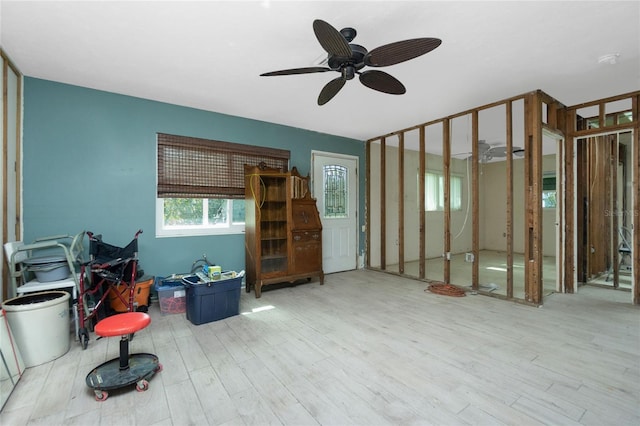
(89,161)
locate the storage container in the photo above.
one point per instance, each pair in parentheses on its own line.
(49,268)
(40,324)
(140,295)
(213,300)
(172,295)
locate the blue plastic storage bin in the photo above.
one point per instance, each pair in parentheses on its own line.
(212,301)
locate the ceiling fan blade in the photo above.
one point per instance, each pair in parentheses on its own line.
(330,90)
(306,70)
(331,39)
(498,151)
(382,82)
(400,51)
(459,154)
(501,151)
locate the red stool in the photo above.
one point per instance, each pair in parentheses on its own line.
(128,368)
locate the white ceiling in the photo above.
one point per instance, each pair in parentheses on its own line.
(209,55)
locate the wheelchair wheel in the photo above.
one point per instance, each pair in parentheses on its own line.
(83,336)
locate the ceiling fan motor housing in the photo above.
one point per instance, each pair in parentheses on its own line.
(356,60)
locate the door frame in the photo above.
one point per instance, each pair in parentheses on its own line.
(632,170)
(561,190)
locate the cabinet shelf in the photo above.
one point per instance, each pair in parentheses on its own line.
(274,256)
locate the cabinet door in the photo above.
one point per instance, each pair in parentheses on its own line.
(273,227)
(307,251)
(305,215)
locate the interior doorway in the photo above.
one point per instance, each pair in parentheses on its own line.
(605,219)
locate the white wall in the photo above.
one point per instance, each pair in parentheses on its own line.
(434,220)
(493,201)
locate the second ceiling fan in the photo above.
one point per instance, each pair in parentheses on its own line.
(349,59)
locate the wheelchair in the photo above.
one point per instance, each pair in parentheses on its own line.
(110,269)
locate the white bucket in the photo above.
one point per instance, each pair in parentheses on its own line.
(40,325)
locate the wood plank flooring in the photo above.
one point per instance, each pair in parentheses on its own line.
(492,272)
(366,348)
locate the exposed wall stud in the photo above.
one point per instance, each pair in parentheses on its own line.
(383,203)
(401,202)
(421,212)
(446,163)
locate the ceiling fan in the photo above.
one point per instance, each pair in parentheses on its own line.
(487,152)
(348,59)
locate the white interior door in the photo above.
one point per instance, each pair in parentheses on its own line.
(335,187)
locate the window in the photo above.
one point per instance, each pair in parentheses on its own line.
(200,184)
(335,191)
(549,192)
(199,216)
(434,192)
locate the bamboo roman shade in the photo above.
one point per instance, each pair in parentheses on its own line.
(201,168)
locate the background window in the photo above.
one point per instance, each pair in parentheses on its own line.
(434,192)
(549,192)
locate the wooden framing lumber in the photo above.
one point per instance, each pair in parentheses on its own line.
(421,206)
(446,171)
(368,205)
(401,202)
(509,231)
(383,203)
(475,205)
(635,250)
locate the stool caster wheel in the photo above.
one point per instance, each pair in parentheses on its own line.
(142,385)
(101,395)
(158,368)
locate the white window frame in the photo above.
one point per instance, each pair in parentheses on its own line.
(198,230)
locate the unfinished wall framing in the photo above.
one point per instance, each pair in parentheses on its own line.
(590,126)
(475,186)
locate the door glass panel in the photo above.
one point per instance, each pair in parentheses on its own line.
(335,191)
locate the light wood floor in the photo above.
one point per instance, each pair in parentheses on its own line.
(366,348)
(492,270)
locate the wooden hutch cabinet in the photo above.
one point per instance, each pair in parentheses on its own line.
(283,233)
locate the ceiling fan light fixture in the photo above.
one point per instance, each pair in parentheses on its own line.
(348,33)
(348,72)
